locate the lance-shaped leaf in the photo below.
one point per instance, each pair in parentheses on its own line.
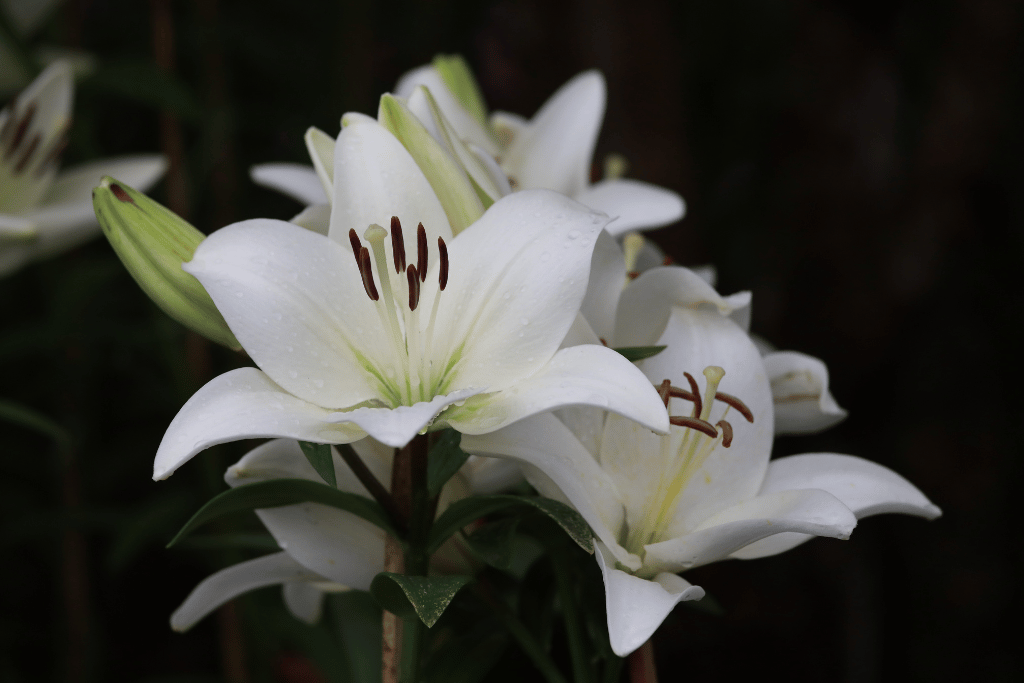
(425,597)
(152,242)
(445,175)
(444,460)
(467,510)
(279,492)
(319,456)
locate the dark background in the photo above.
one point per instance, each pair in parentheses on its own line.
(857,165)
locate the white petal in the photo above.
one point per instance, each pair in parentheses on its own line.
(517,279)
(636,607)
(803,404)
(295,301)
(228,583)
(579,375)
(696,339)
(316,217)
(321,150)
(298,181)
(633,205)
(376,178)
(497,176)
(546,444)
(467,127)
(304,601)
(335,544)
(809,511)
(75,184)
(607,278)
(645,304)
(865,487)
(397,426)
(507,126)
(554,152)
(243,404)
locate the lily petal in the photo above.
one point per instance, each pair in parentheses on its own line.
(607,277)
(298,181)
(231,582)
(633,204)
(517,279)
(809,511)
(376,178)
(865,487)
(547,445)
(295,301)
(243,404)
(570,379)
(462,119)
(75,184)
(320,146)
(646,303)
(554,152)
(304,601)
(803,404)
(316,217)
(636,607)
(331,542)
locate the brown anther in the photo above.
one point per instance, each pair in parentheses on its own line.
(121,195)
(665,390)
(603,342)
(726,432)
(694,423)
(27,154)
(397,245)
(367,272)
(698,404)
(735,403)
(421,252)
(442,276)
(676,392)
(633,274)
(513,183)
(357,246)
(414,287)
(19,132)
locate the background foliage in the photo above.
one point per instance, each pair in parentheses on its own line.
(857,165)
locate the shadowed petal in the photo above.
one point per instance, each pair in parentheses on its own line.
(298,181)
(304,601)
(803,404)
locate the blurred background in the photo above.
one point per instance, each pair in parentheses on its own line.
(858,165)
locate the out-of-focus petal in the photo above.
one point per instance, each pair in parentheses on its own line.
(803,403)
(633,205)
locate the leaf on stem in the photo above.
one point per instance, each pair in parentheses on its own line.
(425,597)
(319,456)
(444,460)
(635,353)
(278,492)
(467,510)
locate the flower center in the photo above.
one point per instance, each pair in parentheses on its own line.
(684,451)
(398,307)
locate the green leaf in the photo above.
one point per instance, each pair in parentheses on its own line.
(425,597)
(493,542)
(319,456)
(467,510)
(36,421)
(635,353)
(278,492)
(444,460)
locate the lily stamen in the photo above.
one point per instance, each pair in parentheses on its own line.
(697,403)
(414,287)
(695,423)
(421,252)
(442,276)
(397,245)
(726,432)
(366,271)
(665,391)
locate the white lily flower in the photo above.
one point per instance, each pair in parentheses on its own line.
(43,212)
(553,150)
(323,549)
(705,492)
(467,338)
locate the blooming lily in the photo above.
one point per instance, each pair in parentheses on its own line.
(357,339)
(553,150)
(323,549)
(43,211)
(707,491)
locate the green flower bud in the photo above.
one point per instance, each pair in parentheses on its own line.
(152,242)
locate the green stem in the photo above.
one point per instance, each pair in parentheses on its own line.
(417,562)
(582,672)
(522,636)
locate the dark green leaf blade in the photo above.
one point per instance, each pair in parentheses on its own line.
(320,457)
(278,492)
(462,512)
(425,597)
(444,460)
(493,542)
(635,353)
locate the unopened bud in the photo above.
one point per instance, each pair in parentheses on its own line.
(152,242)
